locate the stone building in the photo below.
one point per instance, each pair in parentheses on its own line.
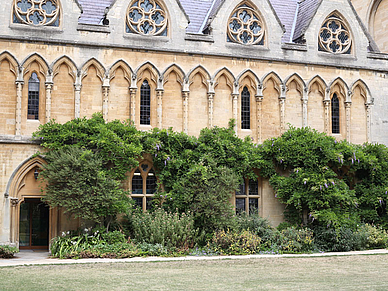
(185,64)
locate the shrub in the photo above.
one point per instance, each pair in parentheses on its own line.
(153,249)
(7,252)
(257,225)
(293,240)
(372,237)
(171,230)
(235,242)
(342,239)
(92,244)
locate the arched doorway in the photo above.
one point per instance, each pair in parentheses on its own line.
(33,223)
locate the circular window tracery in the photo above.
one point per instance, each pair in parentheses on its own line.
(36,12)
(146,17)
(334,36)
(245,26)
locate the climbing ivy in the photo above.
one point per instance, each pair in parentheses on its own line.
(320,180)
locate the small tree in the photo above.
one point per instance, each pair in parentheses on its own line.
(77,181)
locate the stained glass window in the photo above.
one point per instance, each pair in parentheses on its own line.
(334,36)
(335,114)
(245,109)
(33,97)
(145,103)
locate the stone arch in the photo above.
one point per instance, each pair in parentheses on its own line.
(14,65)
(278,82)
(55,66)
(35,57)
(295,77)
(153,71)
(120,76)
(230,78)
(320,82)
(173,68)
(64,77)
(100,69)
(295,88)
(316,89)
(202,71)
(343,88)
(16,192)
(199,77)
(255,83)
(377,8)
(124,66)
(364,90)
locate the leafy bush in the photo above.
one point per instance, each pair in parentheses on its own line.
(257,225)
(92,244)
(171,230)
(372,237)
(76,181)
(7,252)
(293,240)
(235,242)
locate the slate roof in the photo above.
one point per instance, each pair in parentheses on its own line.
(294,15)
(93,10)
(306,12)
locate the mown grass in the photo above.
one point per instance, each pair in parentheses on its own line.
(368,272)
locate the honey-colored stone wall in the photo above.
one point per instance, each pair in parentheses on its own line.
(173,103)
(198,106)
(62,97)
(380,26)
(119,99)
(7,98)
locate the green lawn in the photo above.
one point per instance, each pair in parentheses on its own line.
(313,273)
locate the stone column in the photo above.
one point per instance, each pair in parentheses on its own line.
(235,110)
(18,117)
(77,100)
(105,101)
(282,105)
(368,122)
(304,107)
(210,98)
(327,116)
(347,108)
(259,102)
(326,103)
(14,219)
(132,94)
(49,87)
(185,95)
(159,110)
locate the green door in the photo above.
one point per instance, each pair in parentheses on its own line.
(34,224)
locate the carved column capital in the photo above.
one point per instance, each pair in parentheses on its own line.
(14,201)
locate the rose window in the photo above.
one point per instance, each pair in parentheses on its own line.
(245,26)
(146,17)
(36,12)
(334,37)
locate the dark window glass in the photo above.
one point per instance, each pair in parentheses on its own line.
(335,115)
(138,202)
(148,203)
(145,103)
(33,97)
(240,205)
(245,109)
(253,187)
(137,183)
(253,205)
(151,183)
(241,189)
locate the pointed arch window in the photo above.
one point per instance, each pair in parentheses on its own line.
(245,109)
(245,26)
(37,12)
(145,103)
(146,17)
(143,186)
(335,114)
(334,36)
(33,97)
